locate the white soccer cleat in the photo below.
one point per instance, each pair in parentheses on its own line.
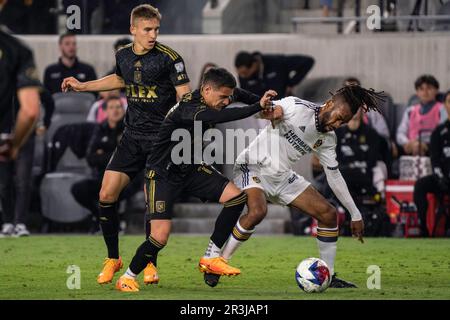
(21,231)
(7,230)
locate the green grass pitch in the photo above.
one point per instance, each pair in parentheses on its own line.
(35,268)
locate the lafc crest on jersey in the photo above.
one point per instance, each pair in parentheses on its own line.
(318,144)
(160,206)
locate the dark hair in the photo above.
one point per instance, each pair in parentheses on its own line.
(65,35)
(352,80)
(219,77)
(121,43)
(145,11)
(359,97)
(426,79)
(244,59)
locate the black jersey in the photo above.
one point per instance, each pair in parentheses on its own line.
(17,70)
(183,115)
(150,81)
(357,153)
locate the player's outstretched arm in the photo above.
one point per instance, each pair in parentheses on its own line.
(211,116)
(107,83)
(340,189)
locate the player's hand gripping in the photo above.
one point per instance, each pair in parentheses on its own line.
(358,229)
(265,101)
(71,83)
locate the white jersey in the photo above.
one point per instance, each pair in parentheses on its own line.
(275,150)
(267,162)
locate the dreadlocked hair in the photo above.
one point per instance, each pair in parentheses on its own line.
(359,97)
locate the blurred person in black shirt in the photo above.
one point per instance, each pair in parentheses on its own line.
(358,153)
(261,72)
(68,65)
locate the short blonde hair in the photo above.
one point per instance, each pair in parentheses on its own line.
(144,11)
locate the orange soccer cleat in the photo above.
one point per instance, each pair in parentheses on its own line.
(151,274)
(126,284)
(110,267)
(217,266)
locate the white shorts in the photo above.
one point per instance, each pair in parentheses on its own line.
(280,189)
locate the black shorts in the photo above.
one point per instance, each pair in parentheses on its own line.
(203,182)
(131,153)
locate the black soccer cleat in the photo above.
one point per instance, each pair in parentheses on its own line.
(211,279)
(339,283)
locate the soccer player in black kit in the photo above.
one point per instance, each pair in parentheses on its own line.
(168,176)
(18,83)
(154,76)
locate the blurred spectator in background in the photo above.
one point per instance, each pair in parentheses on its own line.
(439,182)
(101,146)
(340,13)
(17,120)
(68,65)
(360,160)
(419,120)
(261,72)
(326,7)
(98,113)
(119,44)
(205,68)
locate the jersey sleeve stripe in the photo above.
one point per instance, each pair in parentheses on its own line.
(172,55)
(169,49)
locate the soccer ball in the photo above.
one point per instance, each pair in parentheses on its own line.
(313,275)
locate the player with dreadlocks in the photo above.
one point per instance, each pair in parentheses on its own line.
(264,172)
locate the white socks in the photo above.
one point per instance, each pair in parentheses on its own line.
(327,242)
(130,274)
(238,236)
(212,251)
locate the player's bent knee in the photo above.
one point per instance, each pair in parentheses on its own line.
(107,196)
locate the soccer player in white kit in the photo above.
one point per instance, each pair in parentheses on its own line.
(266,174)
